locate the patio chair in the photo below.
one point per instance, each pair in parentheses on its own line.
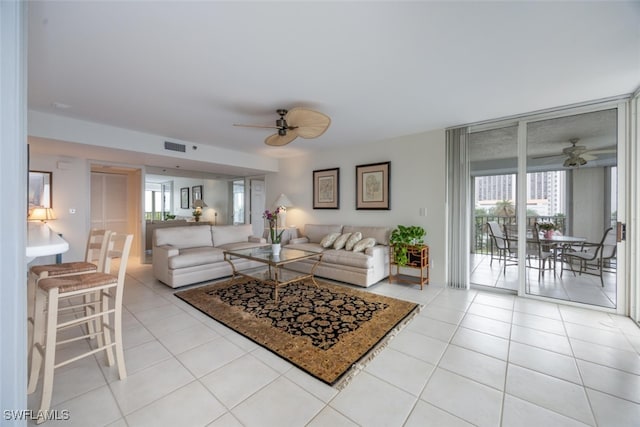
(592,257)
(500,242)
(540,251)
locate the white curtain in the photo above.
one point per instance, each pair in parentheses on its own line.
(458,207)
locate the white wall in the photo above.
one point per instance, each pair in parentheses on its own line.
(417,181)
(60,128)
(588,202)
(71,189)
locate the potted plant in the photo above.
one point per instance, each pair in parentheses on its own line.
(196,214)
(402,239)
(547,228)
(276,236)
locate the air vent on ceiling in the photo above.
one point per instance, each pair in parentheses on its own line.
(175,147)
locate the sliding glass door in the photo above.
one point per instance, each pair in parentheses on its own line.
(546,204)
(493,157)
(572,202)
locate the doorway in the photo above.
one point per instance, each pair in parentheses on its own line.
(116,202)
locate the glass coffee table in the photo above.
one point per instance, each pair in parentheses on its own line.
(274,272)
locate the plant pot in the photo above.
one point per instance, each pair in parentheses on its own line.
(275,248)
(548,234)
(197,218)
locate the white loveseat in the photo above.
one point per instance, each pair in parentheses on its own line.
(358,268)
(192,254)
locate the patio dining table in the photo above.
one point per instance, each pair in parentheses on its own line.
(561,242)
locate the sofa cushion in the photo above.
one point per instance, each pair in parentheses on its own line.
(363,244)
(191,236)
(329,239)
(353,239)
(315,232)
(223,234)
(381,234)
(190,257)
(341,241)
(310,247)
(352,259)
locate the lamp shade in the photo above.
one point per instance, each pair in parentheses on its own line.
(283,201)
(42,214)
(199,204)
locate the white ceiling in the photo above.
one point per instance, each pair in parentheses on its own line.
(189,70)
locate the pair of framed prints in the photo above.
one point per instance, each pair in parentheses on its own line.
(372,187)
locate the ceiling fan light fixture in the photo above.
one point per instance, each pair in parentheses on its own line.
(573,162)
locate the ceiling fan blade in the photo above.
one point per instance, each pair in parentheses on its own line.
(548,156)
(278,140)
(603,151)
(307,123)
(256,126)
(588,157)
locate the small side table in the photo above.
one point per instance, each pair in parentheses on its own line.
(418,259)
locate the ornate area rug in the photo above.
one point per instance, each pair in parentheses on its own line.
(330,332)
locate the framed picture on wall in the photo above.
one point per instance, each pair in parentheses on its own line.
(184,198)
(40,189)
(196,193)
(326,189)
(372,186)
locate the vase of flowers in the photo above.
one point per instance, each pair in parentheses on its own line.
(547,228)
(275,236)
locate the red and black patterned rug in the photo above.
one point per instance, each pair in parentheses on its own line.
(329,332)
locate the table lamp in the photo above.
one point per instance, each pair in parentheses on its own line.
(283,203)
(41,214)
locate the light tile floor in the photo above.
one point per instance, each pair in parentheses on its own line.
(584,288)
(469,358)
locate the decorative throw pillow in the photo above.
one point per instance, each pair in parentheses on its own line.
(341,241)
(352,240)
(363,244)
(329,239)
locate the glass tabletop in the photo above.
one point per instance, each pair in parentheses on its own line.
(264,254)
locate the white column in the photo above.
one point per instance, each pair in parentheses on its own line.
(13,223)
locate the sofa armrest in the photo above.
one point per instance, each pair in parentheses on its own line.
(378,251)
(299,240)
(380,255)
(257,239)
(161,254)
(160,260)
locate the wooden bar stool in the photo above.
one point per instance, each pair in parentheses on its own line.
(93,261)
(106,312)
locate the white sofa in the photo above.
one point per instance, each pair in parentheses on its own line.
(192,254)
(358,268)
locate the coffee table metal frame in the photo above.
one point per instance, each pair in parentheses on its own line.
(276,274)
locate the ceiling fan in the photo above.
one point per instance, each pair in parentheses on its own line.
(297,122)
(578,155)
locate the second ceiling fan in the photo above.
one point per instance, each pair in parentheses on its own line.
(297,122)
(578,155)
